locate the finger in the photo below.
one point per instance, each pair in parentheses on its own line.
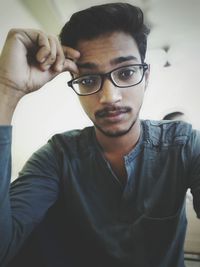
(71,53)
(44,47)
(60,58)
(33,39)
(51,57)
(66,57)
(70,66)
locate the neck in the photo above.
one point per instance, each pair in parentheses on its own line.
(121,145)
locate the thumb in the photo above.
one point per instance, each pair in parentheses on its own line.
(70,65)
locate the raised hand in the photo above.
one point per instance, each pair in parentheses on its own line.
(29,59)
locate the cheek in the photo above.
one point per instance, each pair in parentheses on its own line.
(135,96)
(87,104)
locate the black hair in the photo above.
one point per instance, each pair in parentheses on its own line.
(92,22)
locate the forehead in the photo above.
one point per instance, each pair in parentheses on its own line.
(102,50)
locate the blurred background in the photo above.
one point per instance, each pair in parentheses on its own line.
(173,54)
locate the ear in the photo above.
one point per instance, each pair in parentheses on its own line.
(146,76)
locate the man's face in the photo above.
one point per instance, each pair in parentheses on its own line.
(114,111)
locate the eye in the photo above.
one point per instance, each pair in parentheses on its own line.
(87,81)
(126,73)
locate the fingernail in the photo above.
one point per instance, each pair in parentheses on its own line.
(43,60)
(47,67)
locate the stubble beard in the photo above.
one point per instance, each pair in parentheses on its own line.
(117,133)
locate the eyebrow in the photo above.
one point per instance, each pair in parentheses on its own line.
(122,59)
(118,60)
(87,65)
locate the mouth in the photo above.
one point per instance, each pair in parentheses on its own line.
(112,112)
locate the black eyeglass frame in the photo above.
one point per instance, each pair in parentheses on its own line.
(108,76)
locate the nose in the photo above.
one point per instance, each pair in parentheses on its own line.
(109,94)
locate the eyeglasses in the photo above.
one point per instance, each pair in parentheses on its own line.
(121,77)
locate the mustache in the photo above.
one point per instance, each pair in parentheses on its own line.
(106,111)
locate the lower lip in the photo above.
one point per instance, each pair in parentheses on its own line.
(114,117)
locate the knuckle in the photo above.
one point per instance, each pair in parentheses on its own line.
(14,32)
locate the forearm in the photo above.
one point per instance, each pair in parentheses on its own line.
(24,204)
(13,229)
(8,102)
(5,173)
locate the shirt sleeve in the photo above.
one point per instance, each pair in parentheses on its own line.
(194,169)
(24,203)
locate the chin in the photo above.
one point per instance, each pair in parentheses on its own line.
(115,133)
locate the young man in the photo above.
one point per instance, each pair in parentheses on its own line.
(108,195)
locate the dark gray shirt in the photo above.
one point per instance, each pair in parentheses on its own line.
(68,206)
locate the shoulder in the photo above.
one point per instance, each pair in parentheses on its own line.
(74,141)
(75,135)
(60,148)
(168,132)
